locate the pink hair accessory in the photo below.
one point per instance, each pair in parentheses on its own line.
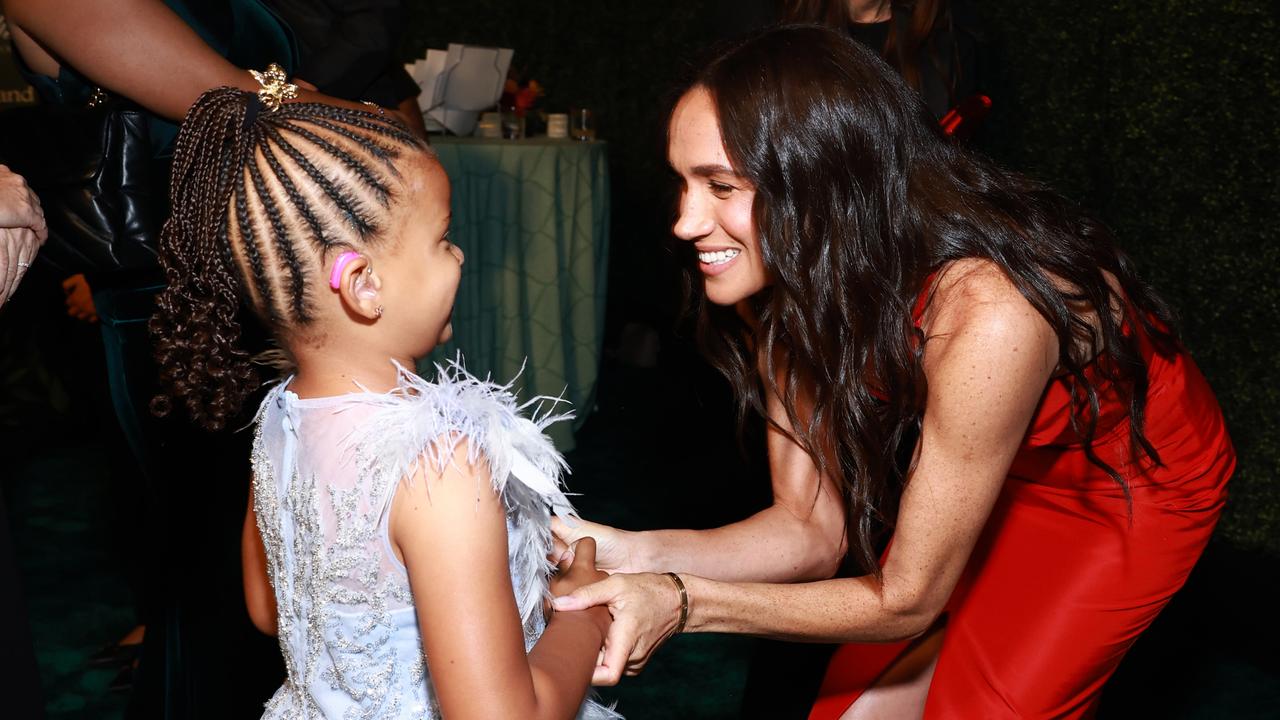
(335,277)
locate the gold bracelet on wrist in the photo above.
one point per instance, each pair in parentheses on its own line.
(684,602)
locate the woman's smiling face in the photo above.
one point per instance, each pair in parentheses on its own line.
(715,203)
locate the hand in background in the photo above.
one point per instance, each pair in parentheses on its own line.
(79,299)
(18,248)
(19,206)
(22,230)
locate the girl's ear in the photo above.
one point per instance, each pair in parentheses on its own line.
(358,289)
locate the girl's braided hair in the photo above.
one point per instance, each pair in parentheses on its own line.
(258,199)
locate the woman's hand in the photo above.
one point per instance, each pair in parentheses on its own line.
(22,230)
(17,251)
(19,206)
(615,549)
(645,610)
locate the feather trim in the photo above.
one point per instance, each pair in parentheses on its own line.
(422,421)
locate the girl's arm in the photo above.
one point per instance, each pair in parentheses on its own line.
(258,596)
(139,49)
(988,359)
(799,537)
(450,529)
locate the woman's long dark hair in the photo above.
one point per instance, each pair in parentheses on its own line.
(908,40)
(258,199)
(859,200)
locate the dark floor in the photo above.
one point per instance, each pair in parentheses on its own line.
(658,451)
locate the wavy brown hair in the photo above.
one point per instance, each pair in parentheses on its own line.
(258,201)
(859,200)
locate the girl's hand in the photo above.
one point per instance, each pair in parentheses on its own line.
(645,610)
(576,570)
(614,548)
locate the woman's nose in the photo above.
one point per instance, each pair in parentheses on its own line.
(694,221)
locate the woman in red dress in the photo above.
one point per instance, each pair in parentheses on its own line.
(870,287)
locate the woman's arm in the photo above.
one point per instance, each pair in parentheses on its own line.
(136,48)
(987,361)
(799,537)
(139,49)
(258,595)
(450,528)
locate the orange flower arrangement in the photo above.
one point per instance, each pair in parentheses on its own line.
(521,97)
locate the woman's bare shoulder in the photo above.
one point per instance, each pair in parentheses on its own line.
(975,297)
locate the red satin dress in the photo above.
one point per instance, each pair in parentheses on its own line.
(1063,578)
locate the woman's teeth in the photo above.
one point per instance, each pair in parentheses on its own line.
(718,257)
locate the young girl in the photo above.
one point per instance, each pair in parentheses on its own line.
(403,525)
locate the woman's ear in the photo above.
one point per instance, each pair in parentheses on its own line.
(359,289)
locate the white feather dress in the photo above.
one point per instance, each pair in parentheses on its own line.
(325,473)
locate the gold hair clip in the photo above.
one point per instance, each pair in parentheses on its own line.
(276,87)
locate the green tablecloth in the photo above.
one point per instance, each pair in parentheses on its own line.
(532,217)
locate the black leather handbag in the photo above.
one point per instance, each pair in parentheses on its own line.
(99,186)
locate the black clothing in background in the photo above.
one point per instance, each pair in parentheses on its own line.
(951,61)
(873,35)
(347,48)
(954,55)
(730,19)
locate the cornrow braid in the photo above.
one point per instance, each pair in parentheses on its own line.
(256,205)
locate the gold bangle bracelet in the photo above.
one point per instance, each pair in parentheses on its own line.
(684,602)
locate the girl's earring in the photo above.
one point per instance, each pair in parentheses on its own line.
(377,312)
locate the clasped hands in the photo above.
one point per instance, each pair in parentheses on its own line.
(22,230)
(645,607)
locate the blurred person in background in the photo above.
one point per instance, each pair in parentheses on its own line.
(347,49)
(935,45)
(199,643)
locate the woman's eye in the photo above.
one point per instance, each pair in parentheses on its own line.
(719,189)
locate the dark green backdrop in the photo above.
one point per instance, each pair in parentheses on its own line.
(1161,116)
